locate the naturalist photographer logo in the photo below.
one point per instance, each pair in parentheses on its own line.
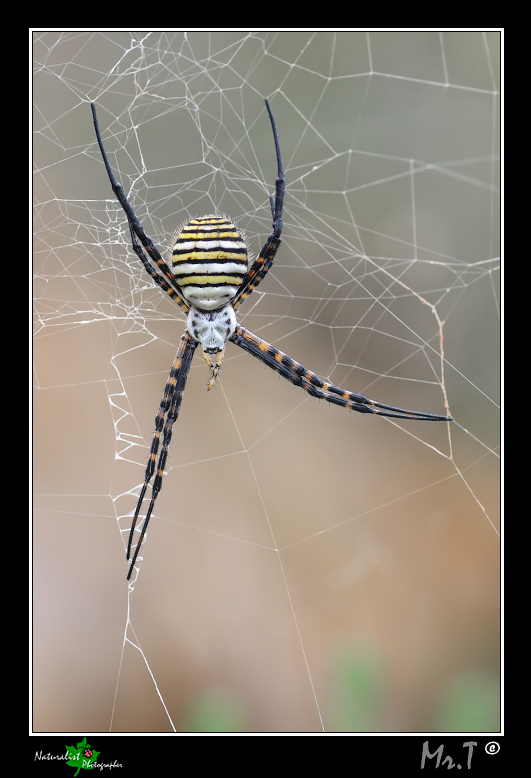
(83,756)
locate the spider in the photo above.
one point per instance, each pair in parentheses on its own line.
(209,280)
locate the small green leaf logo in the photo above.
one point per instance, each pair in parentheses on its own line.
(82,757)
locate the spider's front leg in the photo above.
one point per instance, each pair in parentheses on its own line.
(164,421)
(309,381)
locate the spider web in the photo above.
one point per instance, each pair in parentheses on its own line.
(306,568)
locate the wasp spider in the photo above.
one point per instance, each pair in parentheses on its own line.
(209,279)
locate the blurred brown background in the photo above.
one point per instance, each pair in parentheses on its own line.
(307,568)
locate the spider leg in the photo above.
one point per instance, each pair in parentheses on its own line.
(164,420)
(263,262)
(315,386)
(137,231)
(137,248)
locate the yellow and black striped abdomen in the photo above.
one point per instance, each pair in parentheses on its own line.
(209,261)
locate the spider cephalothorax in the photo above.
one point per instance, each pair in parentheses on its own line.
(210,278)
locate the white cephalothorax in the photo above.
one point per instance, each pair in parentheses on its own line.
(212,329)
